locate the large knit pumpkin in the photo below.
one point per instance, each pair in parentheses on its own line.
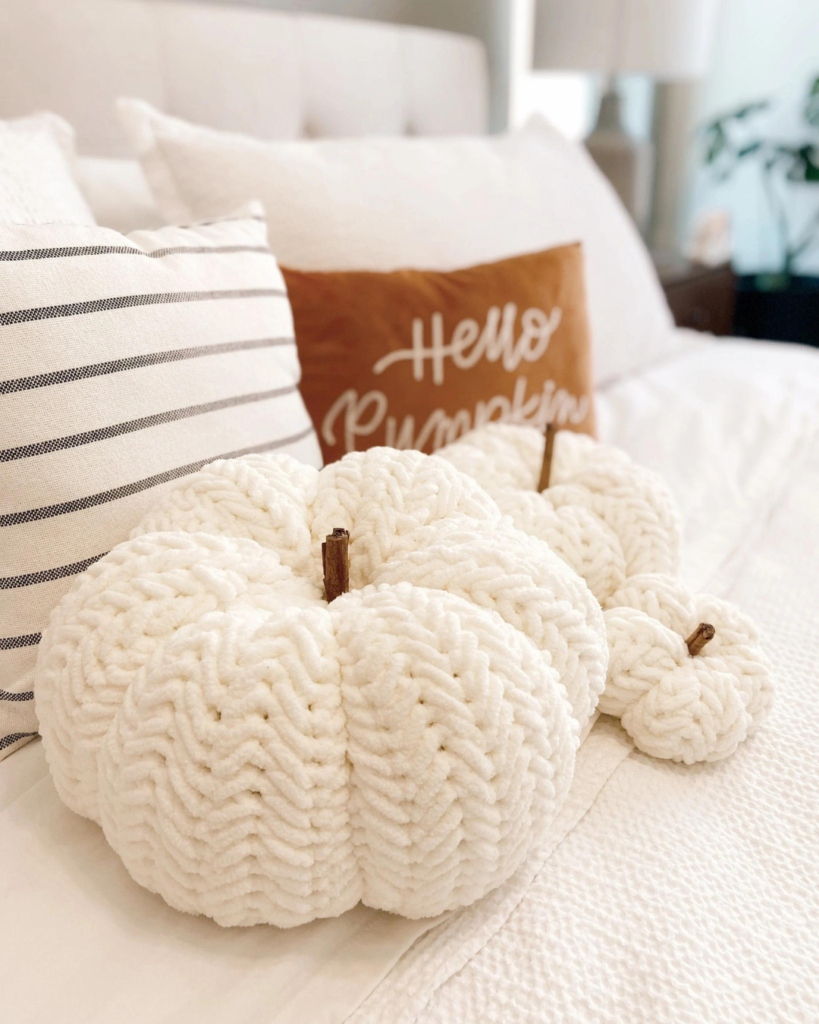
(606,516)
(256,754)
(684,702)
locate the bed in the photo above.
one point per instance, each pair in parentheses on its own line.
(668,893)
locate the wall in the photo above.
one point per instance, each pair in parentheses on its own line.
(570,100)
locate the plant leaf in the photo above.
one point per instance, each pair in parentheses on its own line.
(804,167)
(811,157)
(741,113)
(716,144)
(812,104)
(749,150)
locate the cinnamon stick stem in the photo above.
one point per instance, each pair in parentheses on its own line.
(548,450)
(335,563)
(702,635)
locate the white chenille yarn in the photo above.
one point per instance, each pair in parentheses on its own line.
(114,618)
(378,495)
(400,748)
(381,496)
(606,516)
(674,705)
(257,496)
(256,755)
(521,579)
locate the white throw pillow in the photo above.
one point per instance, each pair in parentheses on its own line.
(426,203)
(118,193)
(126,363)
(37,183)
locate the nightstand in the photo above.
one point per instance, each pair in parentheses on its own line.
(700,297)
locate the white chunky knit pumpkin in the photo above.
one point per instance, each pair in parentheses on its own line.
(257,755)
(675,705)
(606,516)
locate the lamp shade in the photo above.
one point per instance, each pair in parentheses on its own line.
(667,39)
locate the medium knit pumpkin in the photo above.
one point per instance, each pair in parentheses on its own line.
(684,704)
(606,516)
(256,754)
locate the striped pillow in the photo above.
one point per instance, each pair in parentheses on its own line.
(125,363)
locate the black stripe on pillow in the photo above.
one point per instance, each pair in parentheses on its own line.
(11,643)
(6,741)
(25,695)
(21,316)
(42,380)
(57,444)
(47,512)
(47,575)
(67,251)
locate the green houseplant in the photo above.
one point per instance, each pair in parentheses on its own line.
(781,304)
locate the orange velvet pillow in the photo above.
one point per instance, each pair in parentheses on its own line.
(415,358)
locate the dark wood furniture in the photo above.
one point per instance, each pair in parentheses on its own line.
(700,297)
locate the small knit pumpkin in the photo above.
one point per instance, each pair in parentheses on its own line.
(686,701)
(256,754)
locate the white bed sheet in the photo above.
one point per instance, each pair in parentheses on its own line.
(728,423)
(686,895)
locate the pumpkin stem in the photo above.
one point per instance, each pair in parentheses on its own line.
(548,448)
(702,635)
(335,562)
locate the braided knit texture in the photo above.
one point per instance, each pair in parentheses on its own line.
(674,705)
(607,517)
(257,755)
(617,525)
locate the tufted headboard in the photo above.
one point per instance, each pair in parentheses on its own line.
(270,74)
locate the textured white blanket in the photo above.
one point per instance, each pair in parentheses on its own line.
(687,895)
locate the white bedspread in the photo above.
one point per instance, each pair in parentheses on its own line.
(686,895)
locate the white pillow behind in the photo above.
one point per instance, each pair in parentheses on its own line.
(37,183)
(118,194)
(428,203)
